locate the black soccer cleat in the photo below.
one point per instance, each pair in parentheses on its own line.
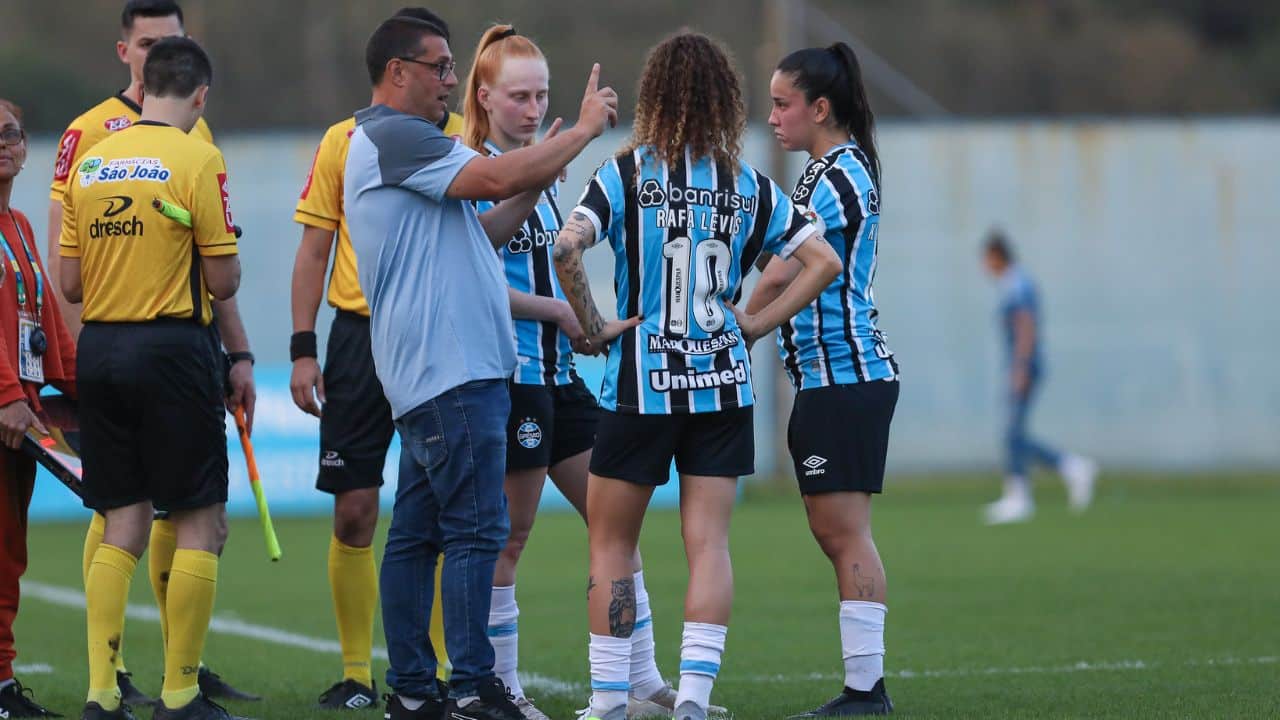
(492,701)
(432,709)
(213,686)
(854,702)
(202,708)
(129,693)
(94,711)
(18,702)
(349,695)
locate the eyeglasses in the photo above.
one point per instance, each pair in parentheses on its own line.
(12,136)
(443,69)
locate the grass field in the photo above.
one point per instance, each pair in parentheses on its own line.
(1163,601)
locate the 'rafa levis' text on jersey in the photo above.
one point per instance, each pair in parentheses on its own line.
(835,341)
(683,237)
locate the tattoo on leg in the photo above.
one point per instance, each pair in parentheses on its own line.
(622,608)
(866,585)
(591,584)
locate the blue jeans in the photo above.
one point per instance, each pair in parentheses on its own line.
(452,464)
(1020,447)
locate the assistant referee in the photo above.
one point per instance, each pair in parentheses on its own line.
(149,372)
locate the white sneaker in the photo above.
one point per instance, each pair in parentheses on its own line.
(1080,475)
(662,704)
(589,713)
(529,711)
(1014,506)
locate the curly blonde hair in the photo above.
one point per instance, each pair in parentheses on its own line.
(690,96)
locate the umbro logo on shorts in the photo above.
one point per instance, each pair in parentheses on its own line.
(814,463)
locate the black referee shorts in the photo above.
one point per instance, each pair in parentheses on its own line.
(356,426)
(839,436)
(152,418)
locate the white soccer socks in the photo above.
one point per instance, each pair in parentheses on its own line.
(610,666)
(645,677)
(862,643)
(700,651)
(504,635)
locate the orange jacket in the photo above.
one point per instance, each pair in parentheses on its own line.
(60,357)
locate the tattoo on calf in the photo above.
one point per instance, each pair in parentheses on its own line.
(622,608)
(866,585)
(591,584)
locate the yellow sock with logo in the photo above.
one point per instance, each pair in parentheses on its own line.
(193,582)
(353,580)
(164,542)
(92,539)
(106,594)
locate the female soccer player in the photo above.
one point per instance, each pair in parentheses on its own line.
(686,218)
(846,379)
(552,425)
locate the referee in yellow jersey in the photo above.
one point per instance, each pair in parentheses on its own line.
(355,423)
(142,24)
(150,369)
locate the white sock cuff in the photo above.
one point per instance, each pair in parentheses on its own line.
(640,588)
(503,610)
(862,628)
(610,659)
(701,648)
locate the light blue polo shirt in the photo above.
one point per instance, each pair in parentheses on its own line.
(439,313)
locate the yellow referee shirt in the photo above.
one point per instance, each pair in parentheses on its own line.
(137,264)
(321,206)
(109,116)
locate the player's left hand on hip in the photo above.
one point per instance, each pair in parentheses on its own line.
(610,332)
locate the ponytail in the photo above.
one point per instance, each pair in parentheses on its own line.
(497,44)
(834,73)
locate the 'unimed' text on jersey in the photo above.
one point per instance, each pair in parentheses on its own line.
(683,237)
(835,341)
(544,354)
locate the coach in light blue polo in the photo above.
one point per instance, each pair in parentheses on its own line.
(443,346)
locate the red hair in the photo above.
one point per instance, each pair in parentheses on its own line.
(497,44)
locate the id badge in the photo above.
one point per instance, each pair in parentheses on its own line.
(30,365)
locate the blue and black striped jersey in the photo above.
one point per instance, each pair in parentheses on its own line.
(835,341)
(544,355)
(683,237)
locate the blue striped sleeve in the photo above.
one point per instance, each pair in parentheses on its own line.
(786,227)
(602,200)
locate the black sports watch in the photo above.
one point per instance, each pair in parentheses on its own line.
(236,357)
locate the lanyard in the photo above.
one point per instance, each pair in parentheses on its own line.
(17,270)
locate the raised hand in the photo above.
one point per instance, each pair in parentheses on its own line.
(599,105)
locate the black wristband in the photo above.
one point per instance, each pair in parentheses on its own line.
(302,344)
(236,357)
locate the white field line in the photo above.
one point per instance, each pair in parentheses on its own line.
(32,669)
(225,625)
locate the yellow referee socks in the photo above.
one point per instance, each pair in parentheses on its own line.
(353,579)
(443,667)
(92,539)
(106,593)
(164,541)
(193,582)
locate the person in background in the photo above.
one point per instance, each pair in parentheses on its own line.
(1020,322)
(35,349)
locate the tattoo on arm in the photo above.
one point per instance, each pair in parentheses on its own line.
(580,229)
(573,276)
(866,584)
(622,608)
